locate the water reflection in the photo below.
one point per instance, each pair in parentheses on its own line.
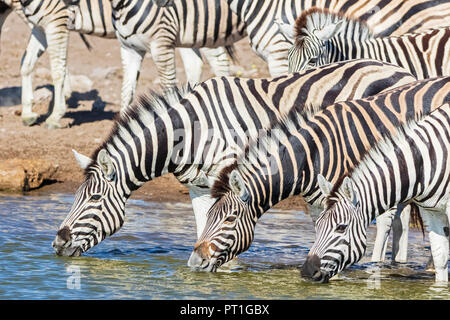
(147,259)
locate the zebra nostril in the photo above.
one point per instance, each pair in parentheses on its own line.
(64,234)
(311,267)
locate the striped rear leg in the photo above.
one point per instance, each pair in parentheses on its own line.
(36,46)
(57,39)
(219,60)
(164,57)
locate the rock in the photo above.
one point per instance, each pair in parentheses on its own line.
(80,83)
(25,174)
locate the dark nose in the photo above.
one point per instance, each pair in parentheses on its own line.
(64,234)
(311,267)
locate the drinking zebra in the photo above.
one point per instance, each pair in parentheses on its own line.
(286,160)
(382,17)
(194,134)
(412,166)
(49,20)
(323,37)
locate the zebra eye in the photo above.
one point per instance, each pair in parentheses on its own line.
(341,228)
(230,220)
(313,61)
(95,197)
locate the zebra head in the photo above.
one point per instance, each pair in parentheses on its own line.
(98,210)
(229,227)
(341,233)
(313,31)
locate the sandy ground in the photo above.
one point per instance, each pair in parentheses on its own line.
(85,129)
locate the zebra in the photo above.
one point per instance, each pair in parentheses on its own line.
(193,133)
(323,37)
(286,160)
(384,18)
(50,21)
(410,167)
(158,27)
(81,18)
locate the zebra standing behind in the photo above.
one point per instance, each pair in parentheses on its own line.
(410,167)
(323,37)
(286,160)
(195,134)
(49,21)
(96,18)
(384,18)
(145,26)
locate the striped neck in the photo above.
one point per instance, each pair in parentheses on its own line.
(148,140)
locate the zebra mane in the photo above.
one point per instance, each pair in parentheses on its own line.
(317,18)
(146,108)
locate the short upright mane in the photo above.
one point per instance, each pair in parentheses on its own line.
(317,18)
(144,108)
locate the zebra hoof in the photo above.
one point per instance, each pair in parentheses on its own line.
(30,120)
(52,124)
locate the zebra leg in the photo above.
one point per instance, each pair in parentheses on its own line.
(36,46)
(437,224)
(193,64)
(218,60)
(384,222)
(57,39)
(131,64)
(164,58)
(400,232)
(67,87)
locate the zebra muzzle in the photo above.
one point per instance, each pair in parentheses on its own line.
(311,270)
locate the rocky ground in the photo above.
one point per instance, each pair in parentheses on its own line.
(96,81)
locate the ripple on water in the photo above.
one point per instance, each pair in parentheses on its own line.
(147,259)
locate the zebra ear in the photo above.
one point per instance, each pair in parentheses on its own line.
(347,188)
(105,163)
(237,185)
(329,31)
(286,29)
(82,160)
(324,185)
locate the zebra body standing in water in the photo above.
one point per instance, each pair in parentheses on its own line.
(410,167)
(323,37)
(195,135)
(384,18)
(286,161)
(49,21)
(144,26)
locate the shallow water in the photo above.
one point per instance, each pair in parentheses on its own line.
(147,259)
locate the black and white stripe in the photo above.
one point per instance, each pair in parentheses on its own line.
(286,160)
(396,17)
(323,37)
(411,166)
(144,26)
(194,137)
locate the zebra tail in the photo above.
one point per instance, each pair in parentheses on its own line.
(416,221)
(86,43)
